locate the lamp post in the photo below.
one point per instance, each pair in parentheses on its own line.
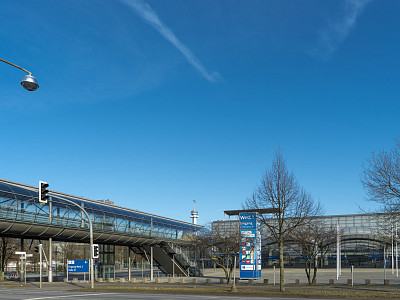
(91,237)
(28,82)
(90,229)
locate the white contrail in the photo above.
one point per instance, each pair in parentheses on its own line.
(149,15)
(337,32)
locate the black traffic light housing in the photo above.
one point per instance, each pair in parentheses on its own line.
(37,249)
(43,192)
(95,251)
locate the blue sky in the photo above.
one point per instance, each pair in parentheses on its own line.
(153,104)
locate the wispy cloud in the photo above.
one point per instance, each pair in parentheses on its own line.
(331,37)
(149,15)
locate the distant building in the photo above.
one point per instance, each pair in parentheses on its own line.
(364,239)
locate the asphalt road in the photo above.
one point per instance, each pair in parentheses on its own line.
(16,294)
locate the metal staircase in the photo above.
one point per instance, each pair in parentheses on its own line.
(190,265)
(170,258)
(139,250)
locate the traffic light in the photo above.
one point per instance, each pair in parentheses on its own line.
(43,191)
(95,251)
(37,249)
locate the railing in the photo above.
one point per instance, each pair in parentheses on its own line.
(184,260)
(11,213)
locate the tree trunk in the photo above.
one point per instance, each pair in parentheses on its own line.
(314,280)
(3,253)
(281,268)
(230,274)
(308,271)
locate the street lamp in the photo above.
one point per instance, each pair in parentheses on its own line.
(90,234)
(90,228)
(28,82)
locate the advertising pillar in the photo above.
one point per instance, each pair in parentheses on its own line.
(250,245)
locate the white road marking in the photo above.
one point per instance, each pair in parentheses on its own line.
(65,296)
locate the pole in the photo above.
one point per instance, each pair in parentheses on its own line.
(173,265)
(392,253)
(91,237)
(151,264)
(397,255)
(21,269)
(384,263)
(40,265)
(129,264)
(50,266)
(25,269)
(56,263)
(337,251)
(352,275)
(234,289)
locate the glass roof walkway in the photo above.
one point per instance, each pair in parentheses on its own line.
(21,215)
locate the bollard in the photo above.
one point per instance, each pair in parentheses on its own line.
(297,281)
(144,280)
(386,282)
(194,280)
(111,280)
(65,279)
(100,279)
(331,281)
(75,279)
(122,279)
(349,282)
(157,280)
(133,280)
(182,280)
(221,280)
(265,281)
(208,281)
(251,281)
(367,281)
(170,280)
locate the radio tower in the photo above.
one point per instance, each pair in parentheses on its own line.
(195,214)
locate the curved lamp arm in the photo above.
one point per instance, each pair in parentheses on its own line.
(14,65)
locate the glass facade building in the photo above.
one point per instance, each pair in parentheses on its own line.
(364,240)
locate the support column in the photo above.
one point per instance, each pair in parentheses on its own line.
(129,264)
(21,265)
(50,264)
(151,264)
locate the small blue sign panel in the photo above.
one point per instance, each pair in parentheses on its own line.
(78,266)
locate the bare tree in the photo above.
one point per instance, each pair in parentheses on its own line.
(221,244)
(292,205)
(381,179)
(70,251)
(8,246)
(313,240)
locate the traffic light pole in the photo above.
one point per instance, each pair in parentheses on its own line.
(91,236)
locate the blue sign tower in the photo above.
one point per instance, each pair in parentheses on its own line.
(250,245)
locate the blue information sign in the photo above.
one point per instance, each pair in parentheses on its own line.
(250,245)
(78,265)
